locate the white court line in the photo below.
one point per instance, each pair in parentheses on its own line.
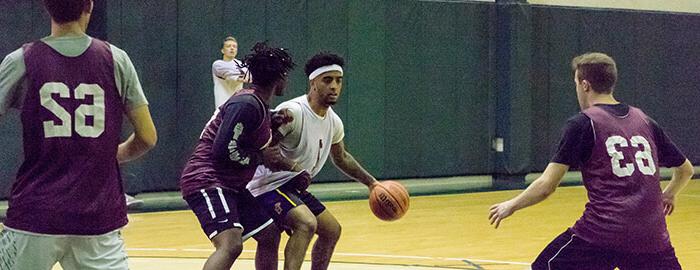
(690,195)
(153,249)
(346,254)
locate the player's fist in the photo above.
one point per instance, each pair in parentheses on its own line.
(280,117)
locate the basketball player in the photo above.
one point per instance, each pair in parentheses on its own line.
(229,149)
(228,73)
(619,150)
(67,203)
(314,133)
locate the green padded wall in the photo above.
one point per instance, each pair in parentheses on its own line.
(147,31)
(657,65)
(428,84)
(438,98)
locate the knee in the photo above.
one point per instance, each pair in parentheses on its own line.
(232,249)
(332,231)
(306,226)
(270,237)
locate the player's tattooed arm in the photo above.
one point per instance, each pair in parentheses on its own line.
(349,166)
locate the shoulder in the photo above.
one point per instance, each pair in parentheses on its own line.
(218,63)
(250,99)
(245,104)
(578,121)
(14,57)
(121,58)
(334,117)
(578,127)
(221,63)
(117,51)
(13,66)
(655,127)
(294,105)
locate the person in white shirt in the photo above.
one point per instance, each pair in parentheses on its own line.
(228,73)
(314,133)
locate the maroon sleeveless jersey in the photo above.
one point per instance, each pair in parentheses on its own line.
(204,171)
(625,209)
(69,182)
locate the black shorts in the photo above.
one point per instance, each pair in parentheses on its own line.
(283,199)
(219,209)
(568,251)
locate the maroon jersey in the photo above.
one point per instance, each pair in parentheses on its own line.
(69,182)
(229,148)
(625,209)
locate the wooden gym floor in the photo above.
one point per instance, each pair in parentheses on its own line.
(439,232)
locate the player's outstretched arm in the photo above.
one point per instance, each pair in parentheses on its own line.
(348,165)
(142,140)
(539,190)
(227,72)
(681,176)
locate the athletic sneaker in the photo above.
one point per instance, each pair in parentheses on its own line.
(132,202)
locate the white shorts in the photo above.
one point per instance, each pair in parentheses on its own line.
(23,250)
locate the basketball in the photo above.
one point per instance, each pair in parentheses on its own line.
(389,200)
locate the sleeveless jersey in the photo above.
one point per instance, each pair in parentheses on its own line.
(204,171)
(625,209)
(69,182)
(308,144)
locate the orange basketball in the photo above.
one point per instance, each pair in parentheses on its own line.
(389,200)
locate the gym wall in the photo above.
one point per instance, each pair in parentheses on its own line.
(428,84)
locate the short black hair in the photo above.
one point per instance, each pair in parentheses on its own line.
(322,59)
(64,11)
(268,64)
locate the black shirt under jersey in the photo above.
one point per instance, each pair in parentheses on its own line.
(577,141)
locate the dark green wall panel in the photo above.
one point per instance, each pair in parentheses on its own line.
(365,79)
(656,62)
(155,60)
(425,87)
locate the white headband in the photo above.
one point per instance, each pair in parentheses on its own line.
(325,69)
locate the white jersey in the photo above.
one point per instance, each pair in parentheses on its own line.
(307,141)
(228,77)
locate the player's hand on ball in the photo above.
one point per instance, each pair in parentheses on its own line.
(500,211)
(373,184)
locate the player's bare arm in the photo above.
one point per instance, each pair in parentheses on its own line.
(348,165)
(144,137)
(681,176)
(539,190)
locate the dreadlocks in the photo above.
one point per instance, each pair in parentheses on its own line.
(268,64)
